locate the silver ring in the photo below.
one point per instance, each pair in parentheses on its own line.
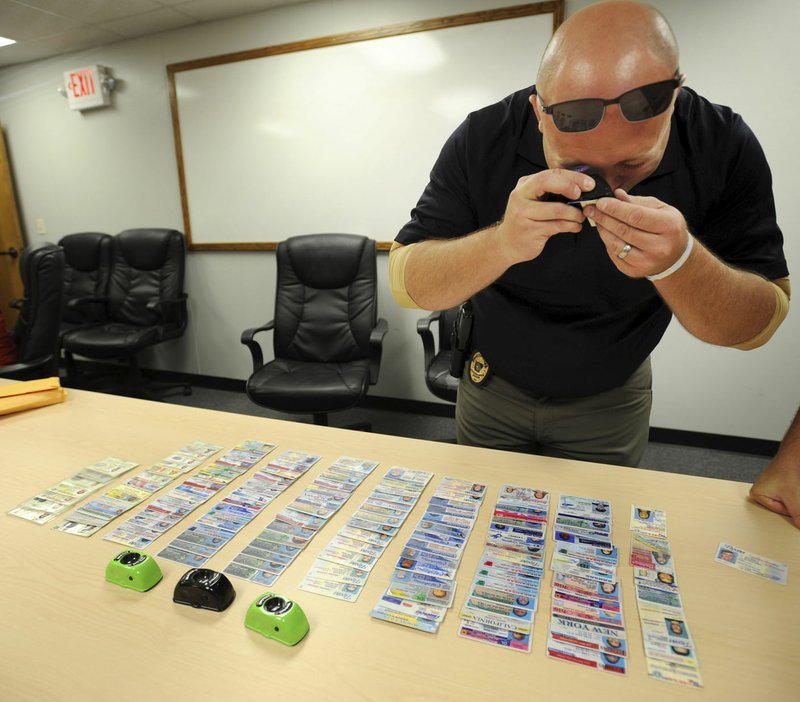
(625,251)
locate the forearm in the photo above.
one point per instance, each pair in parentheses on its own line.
(442,273)
(717,303)
(789,450)
(778,486)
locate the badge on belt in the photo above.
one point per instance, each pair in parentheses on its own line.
(478,368)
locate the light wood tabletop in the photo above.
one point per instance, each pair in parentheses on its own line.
(67,634)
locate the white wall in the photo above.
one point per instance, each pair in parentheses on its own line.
(114,168)
(744,55)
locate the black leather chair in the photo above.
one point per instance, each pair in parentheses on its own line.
(88,266)
(36,332)
(145,306)
(437,355)
(327,337)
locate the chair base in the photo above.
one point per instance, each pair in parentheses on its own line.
(321,419)
(125,379)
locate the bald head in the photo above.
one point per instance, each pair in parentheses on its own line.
(607,43)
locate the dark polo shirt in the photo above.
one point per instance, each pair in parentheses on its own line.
(568,323)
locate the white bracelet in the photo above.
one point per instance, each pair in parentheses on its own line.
(675,266)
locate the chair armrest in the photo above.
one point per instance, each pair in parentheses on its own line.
(27,370)
(76,302)
(169,309)
(376,349)
(255,348)
(92,309)
(424,330)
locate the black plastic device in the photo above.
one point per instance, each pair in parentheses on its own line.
(205,589)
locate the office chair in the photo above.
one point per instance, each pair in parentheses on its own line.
(437,363)
(35,334)
(327,338)
(145,306)
(88,266)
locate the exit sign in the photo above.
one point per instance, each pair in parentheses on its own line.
(86,87)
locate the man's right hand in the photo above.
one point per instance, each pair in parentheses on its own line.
(529,222)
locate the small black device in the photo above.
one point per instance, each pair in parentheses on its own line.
(205,589)
(460,339)
(601,189)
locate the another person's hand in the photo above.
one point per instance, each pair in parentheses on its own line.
(529,222)
(656,232)
(778,488)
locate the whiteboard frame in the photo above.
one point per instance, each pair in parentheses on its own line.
(554,7)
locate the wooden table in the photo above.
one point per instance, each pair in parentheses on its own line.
(68,635)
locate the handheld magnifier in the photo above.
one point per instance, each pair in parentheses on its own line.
(134,570)
(277,618)
(601,189)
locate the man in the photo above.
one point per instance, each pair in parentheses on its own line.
(568,303)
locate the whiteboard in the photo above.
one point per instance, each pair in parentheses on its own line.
(339,137)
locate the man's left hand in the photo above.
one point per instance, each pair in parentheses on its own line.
(656,232)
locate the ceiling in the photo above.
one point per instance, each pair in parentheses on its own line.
(44,28)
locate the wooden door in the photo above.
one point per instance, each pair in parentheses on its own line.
(10,239)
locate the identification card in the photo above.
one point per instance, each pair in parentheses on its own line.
(751,563)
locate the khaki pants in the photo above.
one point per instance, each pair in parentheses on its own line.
(611,427)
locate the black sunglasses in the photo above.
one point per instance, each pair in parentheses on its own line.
(636,105)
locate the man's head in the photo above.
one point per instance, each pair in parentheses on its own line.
(603,51)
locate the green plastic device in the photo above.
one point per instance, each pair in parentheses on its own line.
(277,618)
(134,570)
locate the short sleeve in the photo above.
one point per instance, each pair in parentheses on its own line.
(741,226)
(444,210)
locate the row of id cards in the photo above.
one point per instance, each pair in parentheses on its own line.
(169,509)
(342,567)
(218,525)
(46,505)
(287,534)
(586,618)
(670,651)
(500,607)
(423,581)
